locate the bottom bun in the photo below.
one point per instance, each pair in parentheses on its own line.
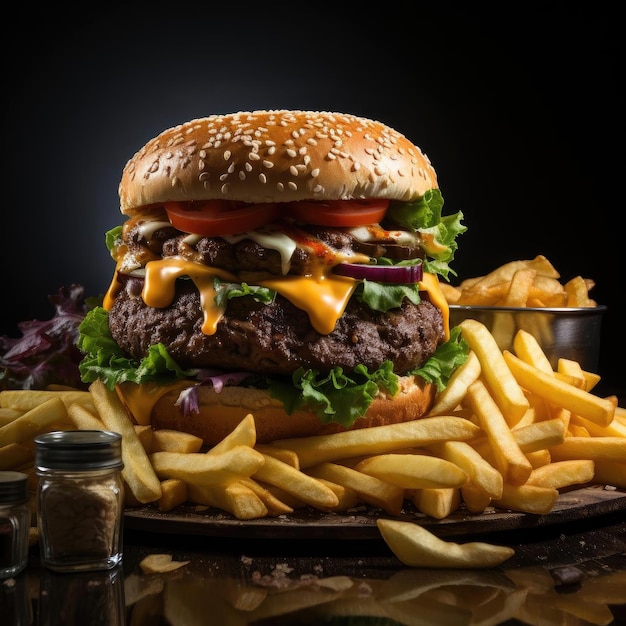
(221,412)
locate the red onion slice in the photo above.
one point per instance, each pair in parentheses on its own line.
(401,274)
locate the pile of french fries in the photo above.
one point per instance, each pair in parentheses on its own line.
(525,283)
(507,432)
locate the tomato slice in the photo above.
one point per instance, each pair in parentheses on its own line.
(216,218)
(339,212)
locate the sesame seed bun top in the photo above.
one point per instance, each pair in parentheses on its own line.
(275,156)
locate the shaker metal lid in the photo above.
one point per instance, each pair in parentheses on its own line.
(79,450)
(13,487)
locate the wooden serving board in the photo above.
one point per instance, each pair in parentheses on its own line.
(308,523)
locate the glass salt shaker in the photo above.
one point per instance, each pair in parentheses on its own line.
(14,523)
(79,499)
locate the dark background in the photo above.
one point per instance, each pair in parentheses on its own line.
(519,113)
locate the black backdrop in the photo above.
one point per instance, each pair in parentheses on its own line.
(518,112)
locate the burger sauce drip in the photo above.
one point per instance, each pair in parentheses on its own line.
(160,286)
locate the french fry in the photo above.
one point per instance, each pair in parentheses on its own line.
(83,418)
(573,368)
(379,439)
(8,415)
(297,483)
(209,470)
(169,440)
(235,498)
(370,489)
(527,498)
(505,389)
(538,458)
(540,435)
(34,421)
(478,470)
(583,403)
(608,472)
(519,287)
(437,503)
(562,474)
(530,351)
(347,498)
(415,546)
(450,293)
(594,448)
(578,293)
(509,458)
(476,499)
(28,399)
(282,454)
(274,505)
(244,434)
(173,493)
(146,436)
(451,397)
(614,429)
(138,471)
(16,455)
(413,471)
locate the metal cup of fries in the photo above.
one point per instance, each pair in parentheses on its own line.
(530,295)
(567,332)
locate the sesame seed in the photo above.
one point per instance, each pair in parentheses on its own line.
(253,156)
(227,155)
(293,170)
(225,188)
(262,178)
(242,175)
(268,164)
(292,186)
(292,153)
(280,187)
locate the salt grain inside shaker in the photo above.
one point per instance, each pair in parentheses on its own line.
(14,523)
(79,499)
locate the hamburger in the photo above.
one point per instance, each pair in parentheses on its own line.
(280,263)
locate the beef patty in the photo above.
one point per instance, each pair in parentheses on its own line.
(276,338)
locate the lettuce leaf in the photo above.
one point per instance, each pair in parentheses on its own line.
(438,232)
